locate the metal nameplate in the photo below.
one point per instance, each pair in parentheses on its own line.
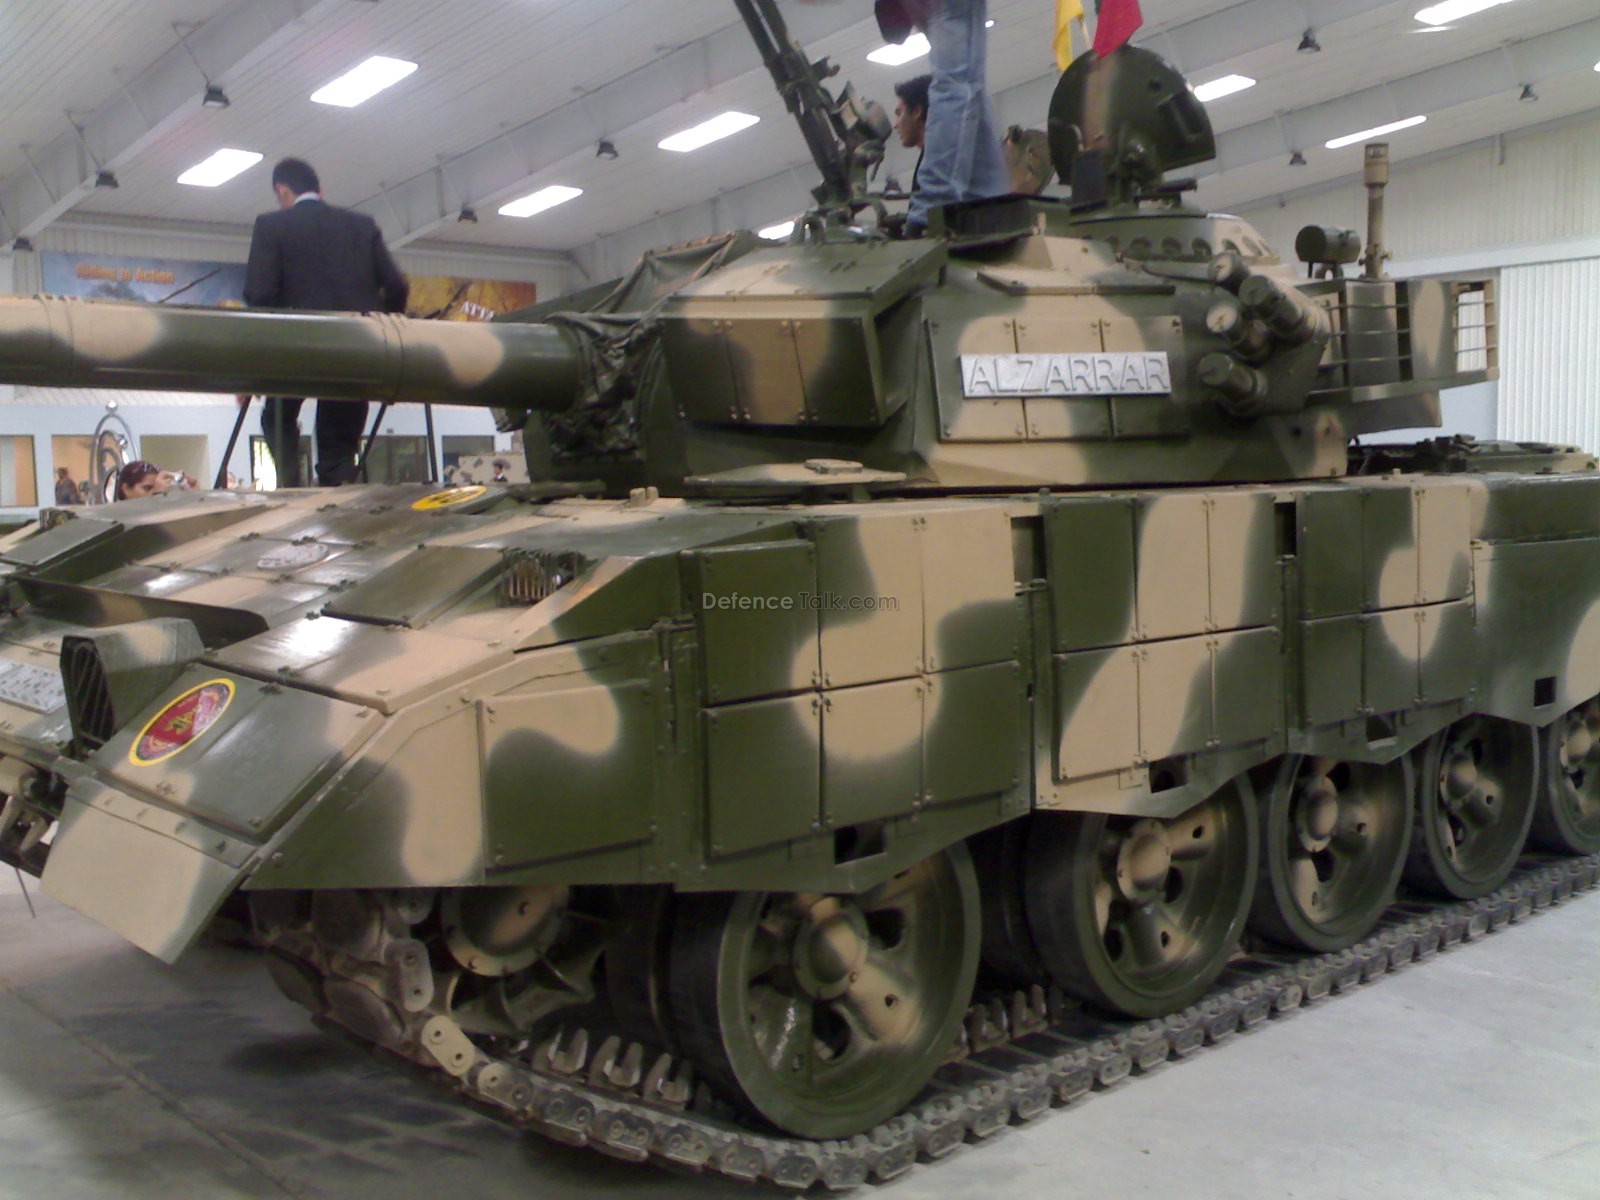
(31,687)
(1124,373)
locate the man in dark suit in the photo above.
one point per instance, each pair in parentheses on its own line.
(311,255)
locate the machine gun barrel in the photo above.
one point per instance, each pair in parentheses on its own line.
(799,82)
(48,341)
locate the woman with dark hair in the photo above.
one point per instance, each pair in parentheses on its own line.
(141,478)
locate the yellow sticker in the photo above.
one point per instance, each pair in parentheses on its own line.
(450,496)
(178,724)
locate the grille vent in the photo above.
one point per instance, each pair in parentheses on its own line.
(110,674)
(532,575)
(88,693)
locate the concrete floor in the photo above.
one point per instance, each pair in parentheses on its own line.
(1476,1075)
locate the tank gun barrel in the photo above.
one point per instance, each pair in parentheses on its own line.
(49,341)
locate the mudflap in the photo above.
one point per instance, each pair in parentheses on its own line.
(141,873)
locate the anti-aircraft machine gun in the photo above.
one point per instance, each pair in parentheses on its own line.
(913,670)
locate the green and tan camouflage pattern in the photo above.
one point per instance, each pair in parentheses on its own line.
(760,696)
(50,341)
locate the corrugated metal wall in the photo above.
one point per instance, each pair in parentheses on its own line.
(1534,188)
(1550,353)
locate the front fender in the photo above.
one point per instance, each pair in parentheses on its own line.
(176,808)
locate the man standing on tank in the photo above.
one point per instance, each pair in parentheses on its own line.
(961,155)
(311,255)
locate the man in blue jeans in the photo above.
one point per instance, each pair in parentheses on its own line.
(961,155)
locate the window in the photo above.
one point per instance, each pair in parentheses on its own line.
(459,446)
(398,459)
(75,453)
(18,486)
(395,459)
(262,472)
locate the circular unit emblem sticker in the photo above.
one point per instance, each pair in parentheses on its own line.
(293,556)
(181,722)
(449,497)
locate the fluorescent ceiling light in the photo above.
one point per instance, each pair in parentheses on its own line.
(776,233)
(914,46)
(363,82)
(1226,86)
(219,168)
(703,134)
(537,202)
(1454,10)
(1350,139)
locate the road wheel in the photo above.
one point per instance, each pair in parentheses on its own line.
(1477,787)
(1334,836)
(1567,816)
(1140,915)
(825,1015)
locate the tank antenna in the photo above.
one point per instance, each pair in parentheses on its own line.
(1376,175)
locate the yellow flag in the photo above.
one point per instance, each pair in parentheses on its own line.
(1068,12)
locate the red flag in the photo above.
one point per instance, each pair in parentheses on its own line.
(1118,19)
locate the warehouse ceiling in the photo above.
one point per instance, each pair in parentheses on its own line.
(511,96)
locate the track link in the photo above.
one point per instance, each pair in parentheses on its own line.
(1020,1054)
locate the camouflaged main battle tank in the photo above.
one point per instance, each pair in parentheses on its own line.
(918,667)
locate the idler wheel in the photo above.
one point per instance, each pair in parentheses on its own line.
(1140,915)
(1475,802)
(825,1015)
(1334,837)
(496,931)
(1567,816)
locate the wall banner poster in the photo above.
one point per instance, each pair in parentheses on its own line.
(216,284)
(153,280)
(448,298)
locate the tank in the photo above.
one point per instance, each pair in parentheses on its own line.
(923,679)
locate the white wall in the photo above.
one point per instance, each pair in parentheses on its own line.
(43,413)
(1528,208)
(1529,190)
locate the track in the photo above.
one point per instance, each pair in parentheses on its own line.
(1021,1054)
